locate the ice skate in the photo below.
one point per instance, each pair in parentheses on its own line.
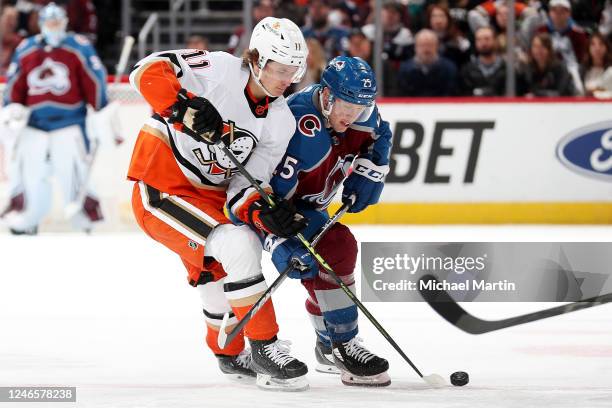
(276,369)
(237,368)
(359,366)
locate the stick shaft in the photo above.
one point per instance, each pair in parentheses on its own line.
(322,261)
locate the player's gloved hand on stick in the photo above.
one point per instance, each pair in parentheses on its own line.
(287,251)
(197,117)
(366,183)
(283,220)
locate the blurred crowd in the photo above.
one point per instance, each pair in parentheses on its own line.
(430,47)
(459,47)
(19,20)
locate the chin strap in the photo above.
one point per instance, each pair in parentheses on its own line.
(330,101)
(257,80)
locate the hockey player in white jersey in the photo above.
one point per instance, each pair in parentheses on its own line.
(53,76)
(184,181)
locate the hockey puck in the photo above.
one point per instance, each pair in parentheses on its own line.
(459,378)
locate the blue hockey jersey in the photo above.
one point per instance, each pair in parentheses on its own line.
(56,83)
(319,159)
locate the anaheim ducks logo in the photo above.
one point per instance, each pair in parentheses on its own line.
(240,142)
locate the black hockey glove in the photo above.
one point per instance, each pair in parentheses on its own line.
(283,220)
(197,117)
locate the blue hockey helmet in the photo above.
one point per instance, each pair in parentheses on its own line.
(350,79)
(52,21)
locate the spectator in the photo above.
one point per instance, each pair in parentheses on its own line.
(453,45)
(316,63)
(569,40)
(82,17)
(21,20)
(605,24)
(197,42)
(341,16)
(10,35)
(427,74)
(597,69)
(359,46)
(494,13)
(238,42)
(294,10)
(397,38)
(544,75)
(587,13)
(333,39)
(485,74)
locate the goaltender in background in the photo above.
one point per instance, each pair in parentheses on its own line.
(471,284)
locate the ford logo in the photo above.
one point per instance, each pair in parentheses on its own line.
(588,151)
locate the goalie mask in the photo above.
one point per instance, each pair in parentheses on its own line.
(52,21)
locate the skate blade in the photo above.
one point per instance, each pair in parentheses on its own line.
(268,383)
(379,380)
(327,369)
(240,378)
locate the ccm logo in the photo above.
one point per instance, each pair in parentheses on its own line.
(372,174)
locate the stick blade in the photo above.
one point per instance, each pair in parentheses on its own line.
(435,380)
(222,338)
(449,310)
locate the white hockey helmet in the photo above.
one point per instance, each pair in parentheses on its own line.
(280,40)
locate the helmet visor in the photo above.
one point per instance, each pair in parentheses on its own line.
(348,111)
(284,72)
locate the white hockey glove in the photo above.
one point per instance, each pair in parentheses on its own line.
(104,125)
(14,116)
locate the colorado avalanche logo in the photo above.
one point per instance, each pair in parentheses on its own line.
(241,144)
(339,65)
(333,181)
(49,77)
(309,124)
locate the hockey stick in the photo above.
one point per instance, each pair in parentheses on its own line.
(432,379)
(225,338)
(445,306)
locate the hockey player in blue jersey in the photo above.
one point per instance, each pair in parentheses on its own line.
(338,127)
(54,76)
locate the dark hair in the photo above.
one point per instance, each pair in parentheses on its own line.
(394,6)
(452,30)
(546,41)
(607,60)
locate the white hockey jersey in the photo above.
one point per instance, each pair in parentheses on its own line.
(262,129)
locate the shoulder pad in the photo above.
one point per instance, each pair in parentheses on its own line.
(81,40)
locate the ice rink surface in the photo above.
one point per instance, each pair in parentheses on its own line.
(113,316)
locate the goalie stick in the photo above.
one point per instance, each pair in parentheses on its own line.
(449,309)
